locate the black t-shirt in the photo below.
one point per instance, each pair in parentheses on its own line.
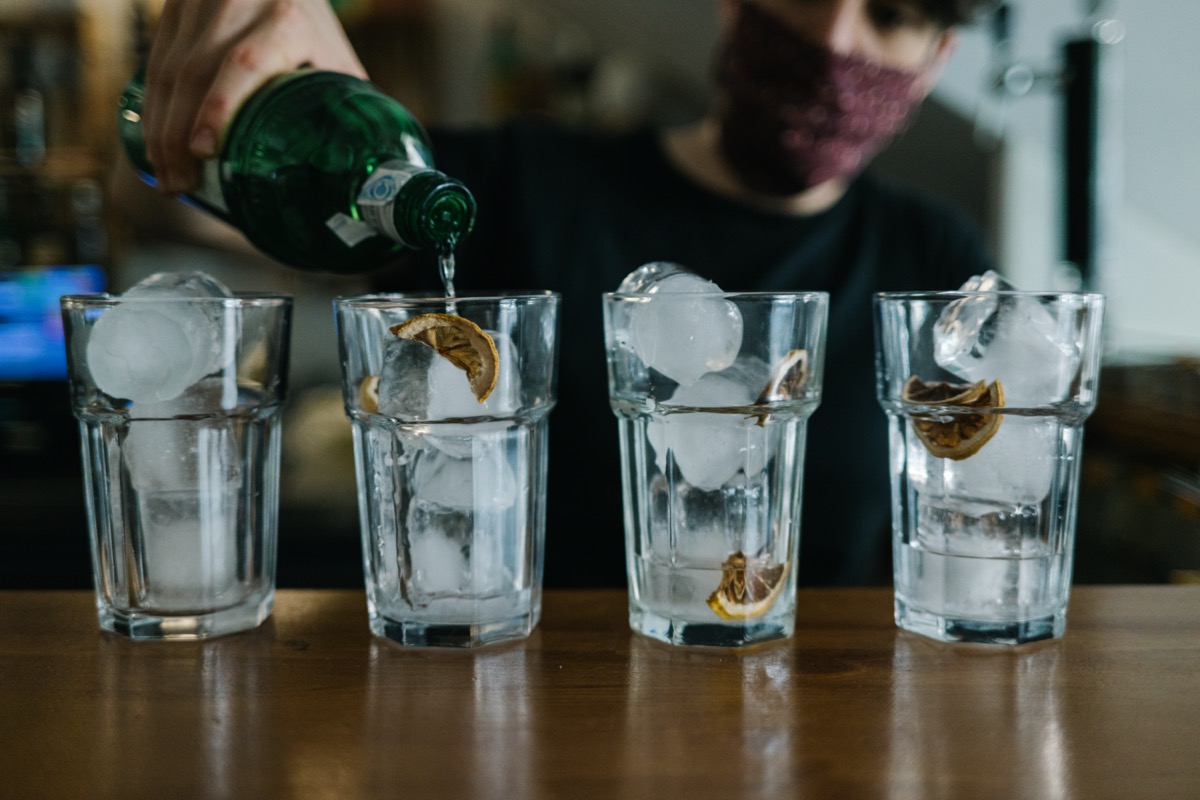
(576,211)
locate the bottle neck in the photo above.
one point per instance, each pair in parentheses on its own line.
(129,125)
(419,207)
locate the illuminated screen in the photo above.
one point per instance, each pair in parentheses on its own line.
(31,333)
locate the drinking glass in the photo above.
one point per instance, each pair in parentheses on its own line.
(178,400)
(986,394)
(451,487)
(712,392)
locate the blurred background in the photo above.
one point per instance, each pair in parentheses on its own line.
(1063,127)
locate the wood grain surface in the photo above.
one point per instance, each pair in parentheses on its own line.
(312,706)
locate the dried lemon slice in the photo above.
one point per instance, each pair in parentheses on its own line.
(368,394)
(464,343)
(748,587)
(963,434)
(787,380)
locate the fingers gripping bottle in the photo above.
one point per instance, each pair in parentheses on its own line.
(322,171)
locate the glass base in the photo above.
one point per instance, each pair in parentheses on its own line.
(706,634)
(444,634)
(1003,632)
(148,626)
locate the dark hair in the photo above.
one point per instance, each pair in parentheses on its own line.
(948,13)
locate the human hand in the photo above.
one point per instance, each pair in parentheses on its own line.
(208,56)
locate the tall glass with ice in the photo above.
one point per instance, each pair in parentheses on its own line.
(986,391)
(712,393)
(177,386)
(449,402)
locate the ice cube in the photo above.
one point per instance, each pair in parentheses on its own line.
(417,383)
(190,547)
(150,352)
(704,544)
(684,337)
(140,354)
(183,455)
(468,484)
(710,449)
(404,378)
(1009,337)
(1015,467)
(186,475)
(206,396)
(450,394)
(691,528)
(437,565)
(457,551)
(644,278)
(470,502)
(178,284)
(211,327)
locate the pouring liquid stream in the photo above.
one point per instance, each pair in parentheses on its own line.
(446,267)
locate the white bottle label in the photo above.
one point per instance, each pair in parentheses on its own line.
(378,196)
(209,190)
(350,230)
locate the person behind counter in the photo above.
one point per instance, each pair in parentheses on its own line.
(766,192)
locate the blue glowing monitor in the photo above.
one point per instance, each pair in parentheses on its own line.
(31,333)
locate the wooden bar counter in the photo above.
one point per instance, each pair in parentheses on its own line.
(312,706)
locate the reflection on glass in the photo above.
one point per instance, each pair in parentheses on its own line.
(1013,729)
(425,709)
(502,725)
(675,692)
(197,713)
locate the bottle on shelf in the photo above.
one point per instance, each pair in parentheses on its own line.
(322,171)
(29,109)
(87,215)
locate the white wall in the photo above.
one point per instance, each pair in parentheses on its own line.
(1150,266)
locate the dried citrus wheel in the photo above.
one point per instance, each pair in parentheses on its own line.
(787,378)
(461,341)
(368,394)
(748,587)
(959,435)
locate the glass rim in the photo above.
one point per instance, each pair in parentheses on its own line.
(961,294)
(425,298)
(236,299)
(752,295)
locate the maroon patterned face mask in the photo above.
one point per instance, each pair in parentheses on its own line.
(796,114)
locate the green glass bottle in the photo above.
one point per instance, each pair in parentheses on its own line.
(323,171)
